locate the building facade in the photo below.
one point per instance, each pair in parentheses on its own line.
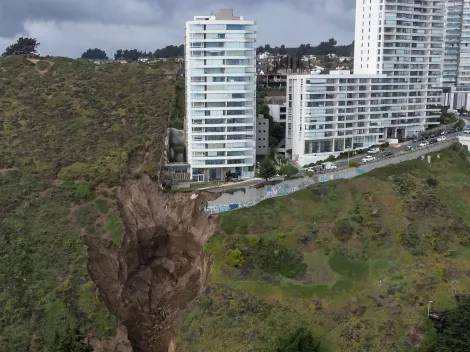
(456,66)
(220,73)
(262,136)
(330,114)
(395,91)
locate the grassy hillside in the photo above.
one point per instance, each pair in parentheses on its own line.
(68,131)
(355,261)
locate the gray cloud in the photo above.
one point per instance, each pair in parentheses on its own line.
(149,24)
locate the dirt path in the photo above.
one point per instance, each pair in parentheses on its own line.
(42,72)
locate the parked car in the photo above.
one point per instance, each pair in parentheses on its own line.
(441,138)
(368,158)
(374,151)
(328,166)
(388,154)
(409,148)
(433,141)
(424,144)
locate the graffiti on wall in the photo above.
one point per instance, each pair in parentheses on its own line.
(360,172)
(326,178)
(278,190)
(271,192)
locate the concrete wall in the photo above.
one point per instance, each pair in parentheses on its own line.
(251,196)
(465,140)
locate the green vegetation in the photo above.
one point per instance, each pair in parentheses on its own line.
(266,169)
(115,226)
(354,163)
(288,170)
(353,262)
(69,131)
(102,205)
(300,341)
(455,337)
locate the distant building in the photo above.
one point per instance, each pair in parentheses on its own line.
(279,114)
(317,70)
(262,136)
(143,59)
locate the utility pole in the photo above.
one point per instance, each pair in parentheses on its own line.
(429,307)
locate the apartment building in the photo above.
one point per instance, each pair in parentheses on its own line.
(220,73)
(330,114)
(393,93)
(456,65)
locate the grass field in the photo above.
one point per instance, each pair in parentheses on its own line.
(69,131)
(356,261)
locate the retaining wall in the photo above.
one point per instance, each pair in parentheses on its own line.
(251,196)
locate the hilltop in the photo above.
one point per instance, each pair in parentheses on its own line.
(70,133)
(354,262)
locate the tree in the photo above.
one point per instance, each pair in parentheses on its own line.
(23,46)
(266,169)
(119,54)
(455,336)
(95,54)
(70,341)
(300,341)
(288,170)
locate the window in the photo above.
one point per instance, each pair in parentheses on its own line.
(215,27)
(236,27)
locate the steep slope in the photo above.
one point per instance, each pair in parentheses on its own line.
(354,261)
(71,133)
(160,267)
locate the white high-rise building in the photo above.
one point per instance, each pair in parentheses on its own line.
(394,92)
(220,59)
(456,68)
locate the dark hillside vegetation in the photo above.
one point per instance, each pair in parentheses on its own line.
(69,131)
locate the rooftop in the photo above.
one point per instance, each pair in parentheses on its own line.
(220,15)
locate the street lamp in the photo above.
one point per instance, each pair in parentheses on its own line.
(429,307)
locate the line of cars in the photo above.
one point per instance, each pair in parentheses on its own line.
(425,143)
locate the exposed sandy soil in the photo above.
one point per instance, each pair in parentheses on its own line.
(160,266)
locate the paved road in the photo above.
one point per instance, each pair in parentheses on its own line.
(395,151)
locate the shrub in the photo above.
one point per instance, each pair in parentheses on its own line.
(280,237)
(344,229)
(353,163)
(235,257)
(299,341)
(288,170)
(253,241)
(77,171)
(310,173)
(432,182)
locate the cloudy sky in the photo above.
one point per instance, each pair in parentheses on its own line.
(69,27)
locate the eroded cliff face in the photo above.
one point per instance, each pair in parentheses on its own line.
(160,266)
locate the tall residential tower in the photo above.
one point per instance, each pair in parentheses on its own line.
(220,69)
(394,92)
